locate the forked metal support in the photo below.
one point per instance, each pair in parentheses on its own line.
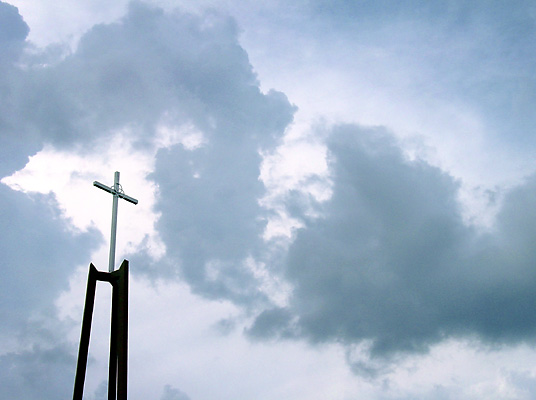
(117,375)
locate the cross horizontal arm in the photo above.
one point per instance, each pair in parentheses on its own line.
(127,198)
(115,192)
(103,187)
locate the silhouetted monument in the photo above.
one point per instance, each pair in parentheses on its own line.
(117,374)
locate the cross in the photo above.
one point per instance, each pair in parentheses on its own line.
(117,192)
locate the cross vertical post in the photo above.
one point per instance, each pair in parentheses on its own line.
(117,191)
(113,235)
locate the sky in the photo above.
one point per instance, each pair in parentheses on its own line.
(335,197)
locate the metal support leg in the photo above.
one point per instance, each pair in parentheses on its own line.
(117,374)
(84,336)
(112,367)
(122,331)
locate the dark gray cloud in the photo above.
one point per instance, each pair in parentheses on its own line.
(38,254)
(391,261)
(147,65)
(132,73)
(37,373)
(13,31)
(211,218)
(13,151)
(38,250)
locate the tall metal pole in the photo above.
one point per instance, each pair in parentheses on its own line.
(111,261)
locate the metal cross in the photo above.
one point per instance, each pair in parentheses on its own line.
(117,192)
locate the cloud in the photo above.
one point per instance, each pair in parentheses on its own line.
(386,263)
(37,373)
(210,219)
(448,71)
(13,30)
(391,263)
(171,393)
(147,66)
(457,12)
(39,252)
(147,75)
(152,72)
(451,52)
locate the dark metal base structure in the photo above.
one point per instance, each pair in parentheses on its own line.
(117,376)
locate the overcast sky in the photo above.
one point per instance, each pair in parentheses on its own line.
(336,198)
